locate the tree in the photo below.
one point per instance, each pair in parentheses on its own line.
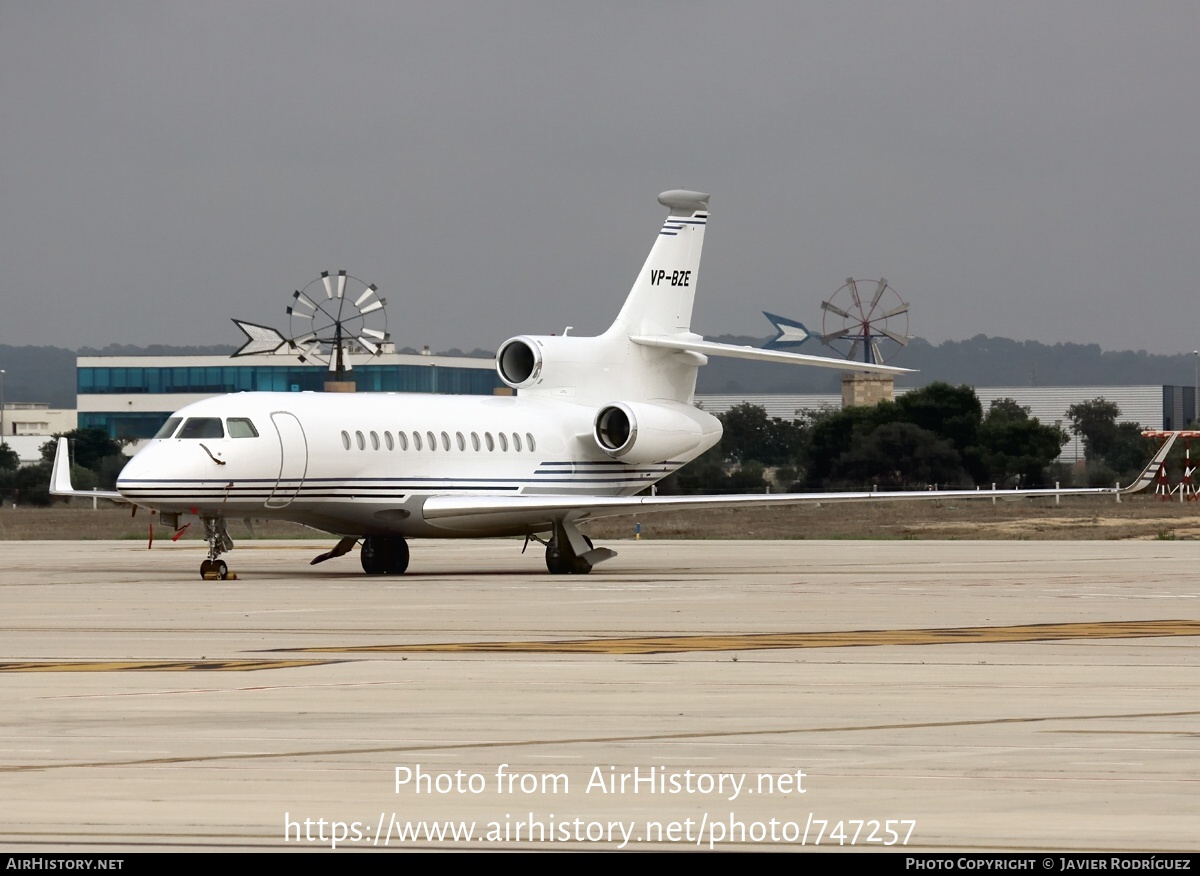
(1119,446)
(749,434)
(1096,422)
(92,451)
(1006,409)
(88,447)
(9,460)
(1129,451)
(1018,449)
(898,456)
(952,412)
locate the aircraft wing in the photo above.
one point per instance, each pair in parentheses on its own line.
(60,478)
(466,512)
(733,351)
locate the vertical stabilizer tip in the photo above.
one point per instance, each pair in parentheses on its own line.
(682,202)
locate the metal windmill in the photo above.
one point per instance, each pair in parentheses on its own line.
(349,319)
(868,330)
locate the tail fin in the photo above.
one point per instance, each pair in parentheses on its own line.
(660,302)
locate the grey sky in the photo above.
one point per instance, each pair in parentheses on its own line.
(1017,169)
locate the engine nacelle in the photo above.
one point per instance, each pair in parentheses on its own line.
(641,432)
(519,362)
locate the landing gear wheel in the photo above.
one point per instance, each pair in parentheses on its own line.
(381,555)
(371,557)
(211,570)
(397,560)
(559,563)
(556,562)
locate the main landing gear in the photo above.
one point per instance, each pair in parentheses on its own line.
(570,552)
(219,543)
(384,555)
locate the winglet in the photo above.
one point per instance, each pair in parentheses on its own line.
(60,475)
(60,478)
(1146,478)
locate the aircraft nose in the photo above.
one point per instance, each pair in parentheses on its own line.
(146,465)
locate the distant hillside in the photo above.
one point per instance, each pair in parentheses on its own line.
(47,374)
(981,361)
(39,374)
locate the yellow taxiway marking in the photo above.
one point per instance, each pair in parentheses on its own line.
(161,665)
(762,641)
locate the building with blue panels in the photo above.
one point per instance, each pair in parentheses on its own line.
(131,396)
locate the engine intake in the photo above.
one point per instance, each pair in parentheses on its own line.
(519,362)
(641,432)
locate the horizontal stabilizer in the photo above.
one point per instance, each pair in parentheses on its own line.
(731,351)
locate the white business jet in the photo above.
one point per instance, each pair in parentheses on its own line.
(594,423)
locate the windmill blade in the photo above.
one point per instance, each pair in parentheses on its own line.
(328,284)
(833,308)
(371,308)
(835,336)
(895,311)
(368,346)
(854,292)
(371,290)
(300,298)
(259,339)
(308,347)
(876,355)
(382,336)
(900,339)
(341,284)
(878,292)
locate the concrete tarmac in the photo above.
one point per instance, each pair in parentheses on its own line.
(921,696)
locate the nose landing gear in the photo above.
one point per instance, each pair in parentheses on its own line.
(219,543)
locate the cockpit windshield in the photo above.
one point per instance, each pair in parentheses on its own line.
(202,427)
(168,428)
(240,427)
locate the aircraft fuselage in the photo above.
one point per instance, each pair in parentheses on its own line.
(365,464)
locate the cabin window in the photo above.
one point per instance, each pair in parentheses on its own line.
(487,439)
(416,440)
(403,439)
(360,440)
(345,439)
(516,442)
(432,440)
(529,439)
(387,439)
(202,427)
(503,441)
(475,441)
(168,428)
(240,427)
(462,442)
(445,441)
(374,440)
